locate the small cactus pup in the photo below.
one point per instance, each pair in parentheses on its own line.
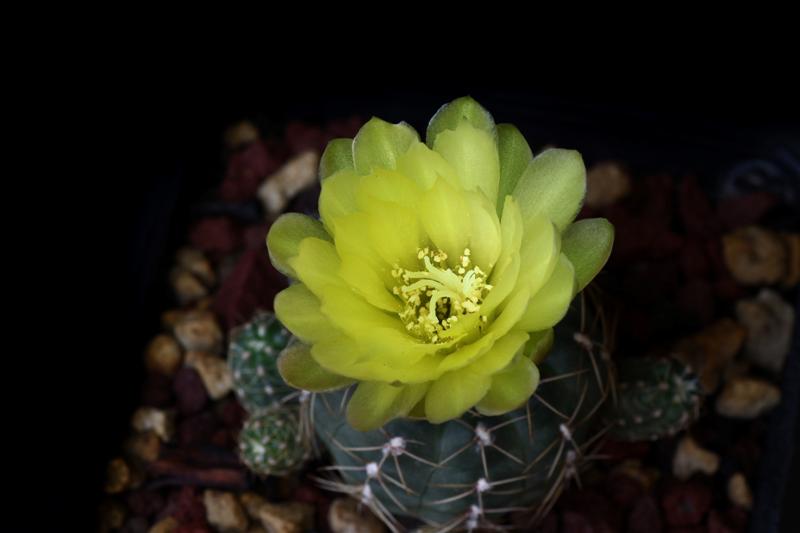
(655,398)
(252,357)
(272,443)
(430,287)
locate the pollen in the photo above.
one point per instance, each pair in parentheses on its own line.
(439,293)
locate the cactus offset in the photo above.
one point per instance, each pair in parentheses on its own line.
(655,398)
(473,471)
(272,442)
(254,348)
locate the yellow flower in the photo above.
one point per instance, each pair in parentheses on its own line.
(438,269)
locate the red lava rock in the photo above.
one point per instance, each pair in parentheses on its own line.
(695,210)
(693,260)
(549,524)
(618,451)
(223,438)
(185,505)
(726,288)
(745,210)
(301,137)
(575,522)
(657,201)
(197,429)
(693,529)
(595,508)
(623,490)
(685,504)
(190,391)
(231,413)
(145,503)
(645,516)
(346,127)
(157,391)
(255,236)
(308,494)
(252,285)
(217,236)
(246,170)
(193,528)
(696,300)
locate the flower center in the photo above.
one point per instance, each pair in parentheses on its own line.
(437,296)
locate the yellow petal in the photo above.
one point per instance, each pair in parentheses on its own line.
(501,353)
(510,388)
(378,144)
(367,283)
(511,228)
(338,197)
(373,403)
(454,393)
(301,371)
(539,251)
(387,186)
(316,265)
(424,167)
(548,306)
(394,233)
(445,218)
(338,155)
(485,241)
(473,154)
(285,235)
(539,345)
(299,310)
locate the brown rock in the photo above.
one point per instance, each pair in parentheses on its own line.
(197,264)
(291,517)
(224,511)
(170,318)
(739,491)
(240,134)
(163,355)
(792,276)
(345,516)
(755,256)
(747,398)
(691,458)
(294,176)
(199,331)
(606,183)
(769,322)
(214,371)
(144,447)
(167,525)
(187,288)
(158,420)
(709,351)
(112,515)
(118,476)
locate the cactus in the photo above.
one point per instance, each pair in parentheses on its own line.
(655,398)
(473,471)
(254,348)
(272,442)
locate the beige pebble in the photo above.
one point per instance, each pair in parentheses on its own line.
(224,511)
(214,372)
(739,491)
(252,502)
(755,255)
(290,179)
(199,331)
(770,322)
(291,517)
(347,516)
(112,515)
(746,397)
(163,355)
(153,419)
(690,458)
(792,276)
(606,183)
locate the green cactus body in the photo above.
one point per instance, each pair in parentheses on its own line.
(253,350)
(473,471)
(272,442)
(655,398)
